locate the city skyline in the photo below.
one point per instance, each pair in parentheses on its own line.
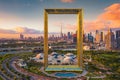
(19,16)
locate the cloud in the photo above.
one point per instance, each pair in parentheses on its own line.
(23,30)
(65,26)
(7,31)
(109,18)
(58,24)
(71,27)
(26,30)
(67,1)
(9,17)
(94,25)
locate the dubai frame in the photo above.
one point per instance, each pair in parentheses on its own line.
(78,66)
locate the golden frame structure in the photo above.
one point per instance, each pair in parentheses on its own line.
(79,13)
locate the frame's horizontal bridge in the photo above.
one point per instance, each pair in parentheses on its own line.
(62,11)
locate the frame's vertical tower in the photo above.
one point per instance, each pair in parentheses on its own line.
(80,37)
(45,38)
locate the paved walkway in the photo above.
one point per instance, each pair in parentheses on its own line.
(25,72)
(99,76)
(7,69)
(4,76)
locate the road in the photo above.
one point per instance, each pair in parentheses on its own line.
(8,71)
(13,67)
(4,76)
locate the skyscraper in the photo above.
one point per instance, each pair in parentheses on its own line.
(97,37)
(61,34)
(101,37)
(97,31)
(90,37)
(109,40)
(21,36)
(74,38)
(118,38)
(69,35)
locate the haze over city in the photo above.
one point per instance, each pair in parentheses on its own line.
(26,16)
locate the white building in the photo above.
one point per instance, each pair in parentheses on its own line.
(86,47)
(21,63)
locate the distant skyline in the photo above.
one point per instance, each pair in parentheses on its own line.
(26,16)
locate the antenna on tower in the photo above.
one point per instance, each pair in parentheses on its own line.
(61,31)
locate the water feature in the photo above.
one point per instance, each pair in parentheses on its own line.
(65,75)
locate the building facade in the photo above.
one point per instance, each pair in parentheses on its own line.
(21,36)
(110,40)
(97,37)
(118,38)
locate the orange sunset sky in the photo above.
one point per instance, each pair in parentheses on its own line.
(26,16)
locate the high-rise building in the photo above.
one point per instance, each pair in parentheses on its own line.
(118,38)
(101,37)
(21,36)
(90,37)
(74,38)
(110,40)
(97,32)
(84,38)
(97,37)
(53,36)
(69,35)
(61,34)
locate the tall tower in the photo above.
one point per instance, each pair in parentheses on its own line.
(61,34)
(68,35)
(109,40)
(101,37)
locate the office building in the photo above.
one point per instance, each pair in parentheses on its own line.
(110,40)
(118,38)
(101,37)
(21,36)
(97,37)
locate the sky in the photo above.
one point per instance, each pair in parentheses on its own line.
(26,16)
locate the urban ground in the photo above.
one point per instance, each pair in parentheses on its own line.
(104,65)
